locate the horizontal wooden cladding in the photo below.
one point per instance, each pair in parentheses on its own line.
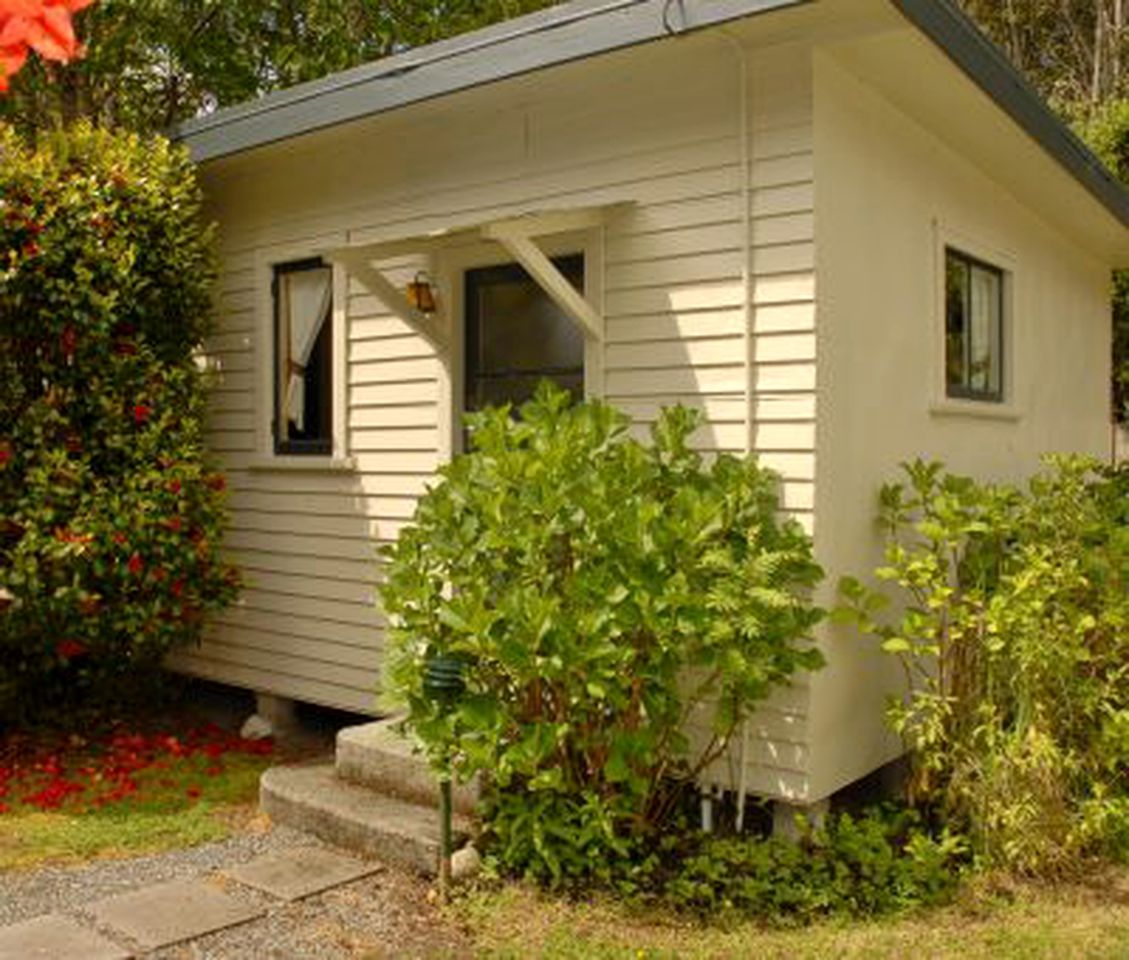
(273,561)
(225,441)
(690,267)
(230,401)
(330,663)
(766,438)
(315,648)
(389,348)
(662,381)
(307,583)
(693,169)
(357,614)
(393,371)
(407,415)
(315,546)
(274,623)
(766,409)
(784,317)
(386,439)
(227,420)
(393,393)
(349,483)
(357,696)
(356,527)
(673,353)
(228,342)
(770,753)
(357,504)
(709,294)
(720,351)
(675,326)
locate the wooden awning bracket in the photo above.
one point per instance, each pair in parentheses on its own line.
(359,265)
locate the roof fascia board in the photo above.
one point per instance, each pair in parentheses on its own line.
(553,37)
(963,43)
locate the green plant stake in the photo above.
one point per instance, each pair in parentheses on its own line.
(443,683)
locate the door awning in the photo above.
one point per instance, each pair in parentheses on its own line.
(519,235)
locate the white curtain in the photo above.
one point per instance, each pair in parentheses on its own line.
(309,295)
(984,330)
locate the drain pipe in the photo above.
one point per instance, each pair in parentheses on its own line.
(746,166)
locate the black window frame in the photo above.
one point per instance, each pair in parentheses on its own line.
(962,390)
(570,265)
(299,446)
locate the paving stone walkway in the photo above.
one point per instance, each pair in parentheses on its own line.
(137,923)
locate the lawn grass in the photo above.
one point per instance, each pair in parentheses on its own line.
(990,921)
(79,799)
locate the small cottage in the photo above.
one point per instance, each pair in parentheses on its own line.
(843,229)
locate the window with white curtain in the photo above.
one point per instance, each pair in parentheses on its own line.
(303,350)
(974,328)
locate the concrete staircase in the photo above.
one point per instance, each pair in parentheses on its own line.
(377,796)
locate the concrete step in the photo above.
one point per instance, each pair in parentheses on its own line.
(311,797)
(377,755)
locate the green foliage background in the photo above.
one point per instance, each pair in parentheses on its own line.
(152,63)
(110,513)
(1015,643)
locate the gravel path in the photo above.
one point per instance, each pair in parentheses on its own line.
(388,914)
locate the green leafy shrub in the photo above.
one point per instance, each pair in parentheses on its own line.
(110,514)
(880,862)
(598,590)
(1015,643)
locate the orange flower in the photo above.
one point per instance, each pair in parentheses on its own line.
(41,25)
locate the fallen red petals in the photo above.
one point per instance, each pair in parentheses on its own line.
(76,774)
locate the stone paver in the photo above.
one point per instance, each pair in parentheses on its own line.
(301,872)
(56,937)
(172,912)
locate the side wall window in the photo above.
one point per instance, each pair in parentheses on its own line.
(303,357)
(974,328)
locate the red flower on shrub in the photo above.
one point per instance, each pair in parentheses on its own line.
(174,486)
(217,482)
(174,524)
(69,340)
(5,454)
(69,649)
(119,538)
(140,413)
(136,564)
(124,348)
(176,588)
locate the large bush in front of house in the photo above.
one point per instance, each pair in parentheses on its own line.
(1015,644)
(603,596)
(110,513)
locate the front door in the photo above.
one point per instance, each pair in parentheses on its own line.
(516,336)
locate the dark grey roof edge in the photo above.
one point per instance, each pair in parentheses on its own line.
(556,35)
(962,41)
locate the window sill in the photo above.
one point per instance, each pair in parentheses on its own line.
(302,464)
(980,409)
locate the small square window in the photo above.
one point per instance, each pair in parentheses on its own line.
(303,357)
(974,328)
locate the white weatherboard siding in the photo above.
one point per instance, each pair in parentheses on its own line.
(656,126)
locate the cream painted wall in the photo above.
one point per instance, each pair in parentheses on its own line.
(888,196)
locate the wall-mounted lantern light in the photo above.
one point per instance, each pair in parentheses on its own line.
(421,293)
